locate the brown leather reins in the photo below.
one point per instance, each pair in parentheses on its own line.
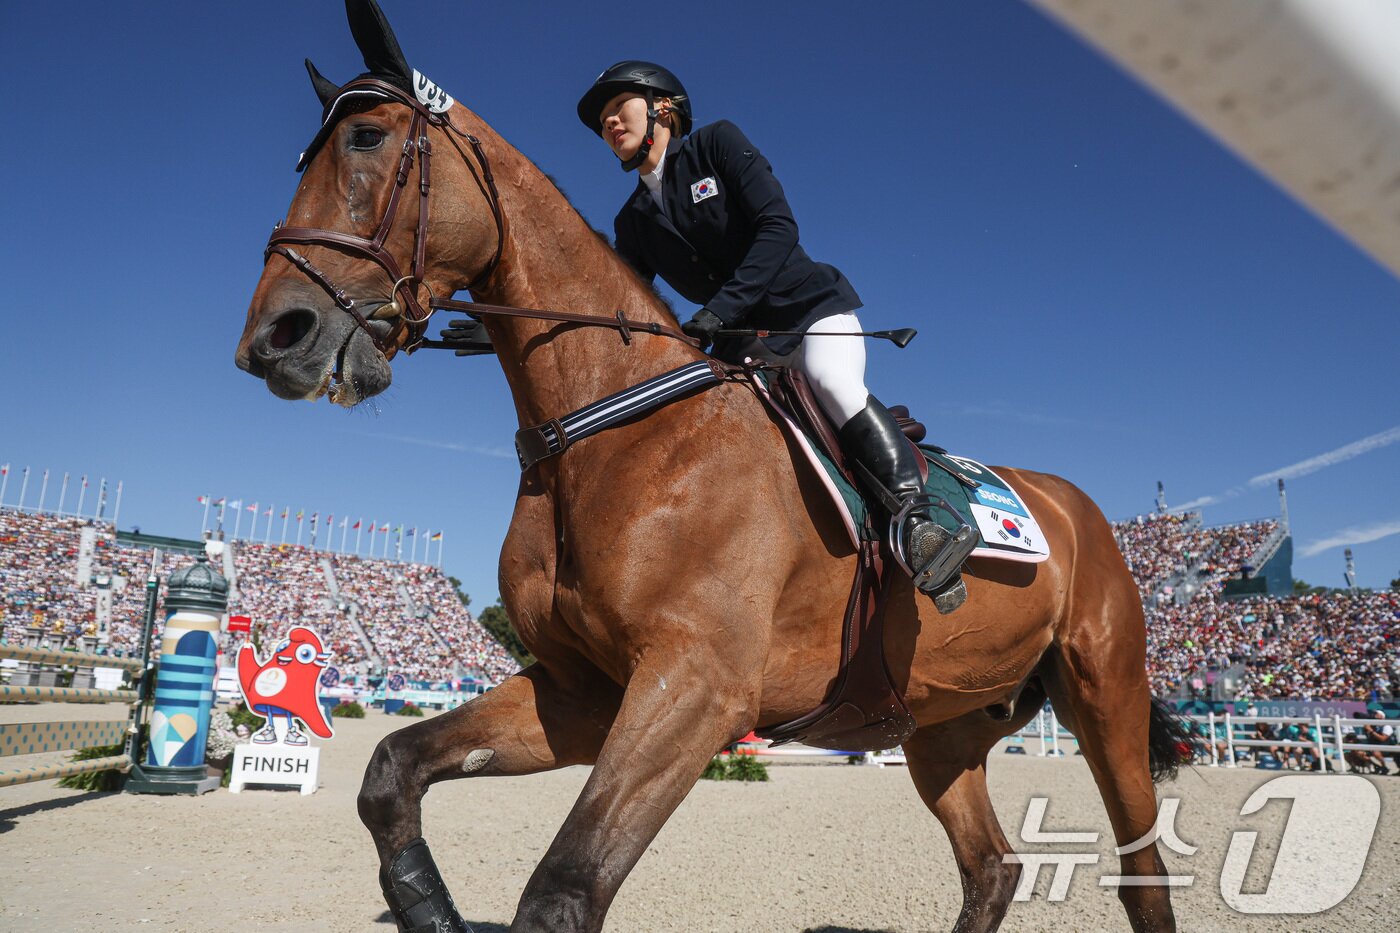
(409,314)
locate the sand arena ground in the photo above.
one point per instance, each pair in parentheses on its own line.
(829,848)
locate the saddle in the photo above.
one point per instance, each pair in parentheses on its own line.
(865,710)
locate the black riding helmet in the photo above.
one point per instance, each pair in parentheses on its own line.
(645,78)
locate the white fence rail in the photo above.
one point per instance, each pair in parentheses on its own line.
(1327,741)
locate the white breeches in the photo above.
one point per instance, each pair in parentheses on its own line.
(835,366)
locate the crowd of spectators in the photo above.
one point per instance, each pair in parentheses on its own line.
(410,613)
(39,576)
(1320,646)
(1167,550)
(280,586)
(1160,547)
(417,623)
(467,640)
(409,617)
(1230,551)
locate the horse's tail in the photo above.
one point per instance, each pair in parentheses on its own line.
(1168,742)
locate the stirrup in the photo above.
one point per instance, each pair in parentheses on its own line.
(417,896)
(945,564)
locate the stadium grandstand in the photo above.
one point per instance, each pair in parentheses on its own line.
(1223,622)
(71,577)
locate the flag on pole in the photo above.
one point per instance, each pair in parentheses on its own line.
(436,537)
(284,514)
(384,527)
(253,508)
(235,504)
(203,500)
(300,513)
(218,501)
(346,520)
(412,531)
(357,524)
(268,513)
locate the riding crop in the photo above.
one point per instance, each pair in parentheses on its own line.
(899,338)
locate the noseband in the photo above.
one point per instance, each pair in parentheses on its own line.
(406,313)
(409,315)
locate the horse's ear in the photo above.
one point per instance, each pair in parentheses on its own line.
(380,49)
(325,88)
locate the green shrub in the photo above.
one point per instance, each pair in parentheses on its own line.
(95,780)
(740,766)
(745,766)
(242,716)
(349,710)
(408,709)
(715,770)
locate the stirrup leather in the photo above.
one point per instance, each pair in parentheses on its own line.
(945,564)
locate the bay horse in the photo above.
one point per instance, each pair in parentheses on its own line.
(679,579)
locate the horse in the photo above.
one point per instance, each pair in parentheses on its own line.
(679,578)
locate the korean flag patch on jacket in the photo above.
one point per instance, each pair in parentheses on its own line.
(702,189)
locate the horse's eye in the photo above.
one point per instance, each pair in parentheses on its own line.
(365,138)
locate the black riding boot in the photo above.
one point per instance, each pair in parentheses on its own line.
(874,441)
(417,896)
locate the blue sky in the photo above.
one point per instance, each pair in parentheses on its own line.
(1101,290)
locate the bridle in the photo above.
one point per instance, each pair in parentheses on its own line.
(407,314)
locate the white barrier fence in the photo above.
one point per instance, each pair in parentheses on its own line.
(1327,742)
(1324,739)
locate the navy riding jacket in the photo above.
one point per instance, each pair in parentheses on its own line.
(730,241)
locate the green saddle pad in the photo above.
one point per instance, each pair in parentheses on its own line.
(1003,521)
(940,483)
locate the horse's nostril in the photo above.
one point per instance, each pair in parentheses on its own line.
(291,328)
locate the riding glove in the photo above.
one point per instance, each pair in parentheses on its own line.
(703,327)
(467,337)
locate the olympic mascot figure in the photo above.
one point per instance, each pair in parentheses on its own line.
(286,685)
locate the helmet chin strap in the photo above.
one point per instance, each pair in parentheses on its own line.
(645,149)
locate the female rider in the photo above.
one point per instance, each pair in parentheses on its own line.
(710,218)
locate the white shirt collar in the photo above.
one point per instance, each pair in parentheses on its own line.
(652,180)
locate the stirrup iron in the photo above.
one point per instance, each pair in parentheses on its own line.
(945,564)
(417,895)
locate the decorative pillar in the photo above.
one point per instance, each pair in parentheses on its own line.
(195,601)
(86,675)
(27,673)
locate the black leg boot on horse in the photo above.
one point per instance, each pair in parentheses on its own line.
(888,461)
(417,895)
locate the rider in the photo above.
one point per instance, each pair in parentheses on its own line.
(710,218)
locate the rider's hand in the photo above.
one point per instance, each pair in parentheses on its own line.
(468,337)
(703,327)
